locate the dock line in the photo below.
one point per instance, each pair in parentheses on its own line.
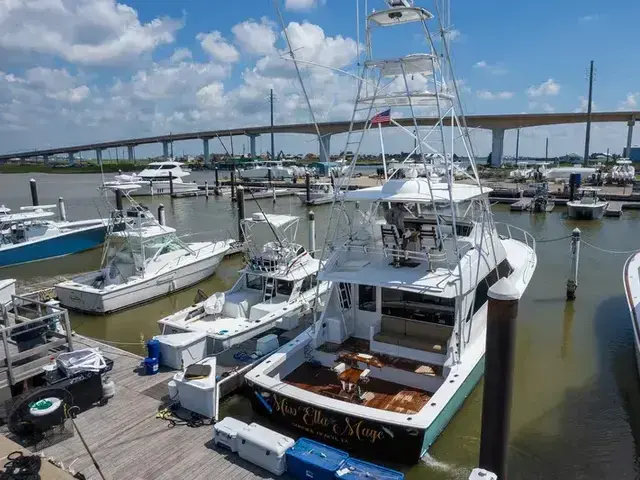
(614,252)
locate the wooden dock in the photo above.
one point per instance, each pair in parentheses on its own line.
(614,209)
(129,442)
(521,205)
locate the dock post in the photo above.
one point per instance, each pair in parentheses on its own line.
(357,205)
(206,189)
(572,282)
(273,190)
(307,186)
(62,211)
(240,199)
(233,186)
(498,378)
(119,200)
(312,233)
(162,220)
(34,192)
(269,176)
(171,183)
(151,187)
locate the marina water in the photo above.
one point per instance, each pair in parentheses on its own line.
(576,399)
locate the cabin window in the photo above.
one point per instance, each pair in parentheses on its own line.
(366,298)
(167,167)
(284,287)
(418,306)
(503,270)
(254,282)
(309,282)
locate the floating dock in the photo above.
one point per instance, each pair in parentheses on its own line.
(614,209)
(521,205)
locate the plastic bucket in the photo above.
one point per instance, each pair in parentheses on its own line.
(150,366)
(153,348)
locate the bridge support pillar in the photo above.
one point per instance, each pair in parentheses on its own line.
(205,150)
(72,159)
(45,158)
(99,156)
(627,152)
(252,144)
(131,155)
(497,146)
(324,143)
(165,150)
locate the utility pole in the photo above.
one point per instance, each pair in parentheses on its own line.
(546,149)
(518,145)
(588,134)
(273,148)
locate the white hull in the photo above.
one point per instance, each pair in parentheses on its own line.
(315,199)
(255,174)
(163,188)
(7,289)
(137,291)
(586,212)
(631,279)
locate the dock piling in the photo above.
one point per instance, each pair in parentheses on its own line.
(498,378)
(206,189)
(161,215)
(34,192)
(312,233)
(151,187)
(171,183)
(307,186)
(62,211)
(572,281)
(119,200)
(233,186)
(240,201)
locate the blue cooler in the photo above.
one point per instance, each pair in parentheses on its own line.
(314,460)
(353,469)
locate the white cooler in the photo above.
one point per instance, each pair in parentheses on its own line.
(199,395)
(264,447)
(225,433)
(179,350)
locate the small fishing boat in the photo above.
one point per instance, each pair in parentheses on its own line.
(31,235)
(588,206)
(274,290)
(142,260)
(319,194)
(154,180)
(631,279)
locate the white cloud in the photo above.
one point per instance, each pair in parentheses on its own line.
(550,87)
(211,96)
(583,105)
(72,95)
(90,32)
(589,18)
(181,54)
(299,4)
(453,35)
(545,107)
(631,102)
(256,38)
(487,95)
(217,48)
(493,69)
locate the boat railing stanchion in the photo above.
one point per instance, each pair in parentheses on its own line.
(240,201)
(307,186)
(572,282)
(312,233)
(34,192)
(161,215)
(502,314)
(62,211)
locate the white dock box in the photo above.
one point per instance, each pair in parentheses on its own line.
(225,433)
(179,350)
(198,395)
(264,447)
(267,344)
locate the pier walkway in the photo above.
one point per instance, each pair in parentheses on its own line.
(129,442)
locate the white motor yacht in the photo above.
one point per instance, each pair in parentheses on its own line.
(274,290)
(154,179)
(588,206)
(142,260)
(400,342)
(259,171)
(319,194)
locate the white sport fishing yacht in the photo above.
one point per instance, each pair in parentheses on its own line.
(588,206)
(142,260)
(400,343)
(154,179)
(259,171)
(275,289)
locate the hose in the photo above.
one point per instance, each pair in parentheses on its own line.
(21,467)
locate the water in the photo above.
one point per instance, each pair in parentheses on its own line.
(576,399)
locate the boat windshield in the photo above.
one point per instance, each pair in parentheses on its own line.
(418,306)
(160,246)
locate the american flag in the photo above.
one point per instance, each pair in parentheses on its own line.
(382,117)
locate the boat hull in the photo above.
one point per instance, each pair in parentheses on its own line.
(163,188)
(584,212)
(138,292)
(67,243)
(631,279)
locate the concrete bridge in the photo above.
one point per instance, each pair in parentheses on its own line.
(498,124)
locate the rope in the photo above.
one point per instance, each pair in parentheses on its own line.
(614,252)
(547,240)
(175,420)
(20,466)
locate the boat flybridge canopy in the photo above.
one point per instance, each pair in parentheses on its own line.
(416,191)
(400,12)
(410,64)
(276,220)
(144,233)
(589,189)
(37,208)
(26,217)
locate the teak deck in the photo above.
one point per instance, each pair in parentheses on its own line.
(379,394)
(130,443)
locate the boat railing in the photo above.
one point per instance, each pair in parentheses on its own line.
(506,230)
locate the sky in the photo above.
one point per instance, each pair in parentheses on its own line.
(81,71)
